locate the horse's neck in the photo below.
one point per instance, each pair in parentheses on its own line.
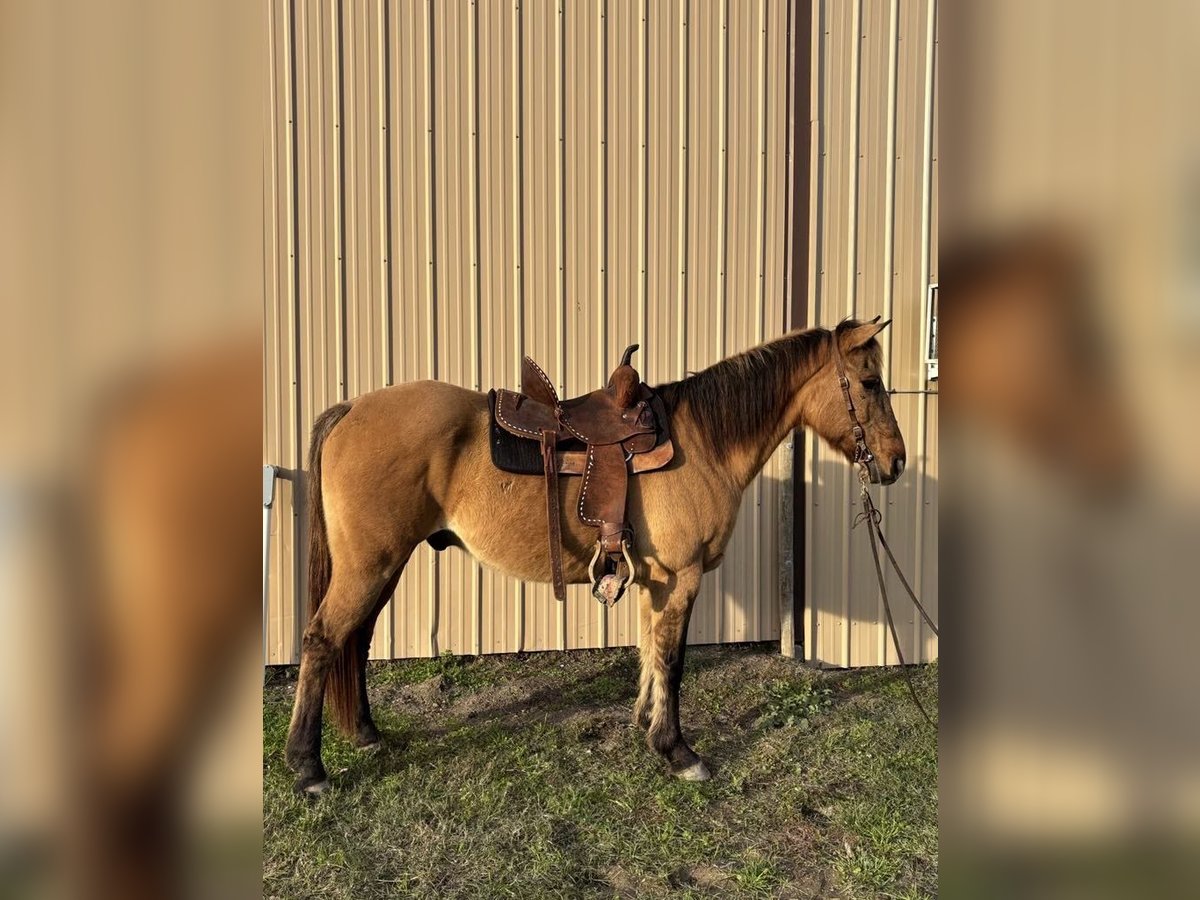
(746,462)
(743,463)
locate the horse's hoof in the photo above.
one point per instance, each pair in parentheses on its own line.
(311,790)
(371,746)
(697,771)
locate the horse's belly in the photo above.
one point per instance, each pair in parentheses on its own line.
(514,540)
(523,557)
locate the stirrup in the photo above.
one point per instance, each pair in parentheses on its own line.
(610,588)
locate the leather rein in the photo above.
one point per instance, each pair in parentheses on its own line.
(868,472)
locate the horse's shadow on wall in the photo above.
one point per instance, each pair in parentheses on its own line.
(839,594)
(834,580)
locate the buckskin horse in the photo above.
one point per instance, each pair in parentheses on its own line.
(412,463)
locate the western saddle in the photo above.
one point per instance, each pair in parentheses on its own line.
(605,436)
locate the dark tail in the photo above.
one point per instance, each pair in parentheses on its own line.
(341,689)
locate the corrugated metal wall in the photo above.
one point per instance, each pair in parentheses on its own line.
(873,250)
(450,185)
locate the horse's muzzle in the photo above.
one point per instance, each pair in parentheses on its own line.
(878,476)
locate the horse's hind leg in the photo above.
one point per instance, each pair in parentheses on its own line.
(366,736)
(352,598)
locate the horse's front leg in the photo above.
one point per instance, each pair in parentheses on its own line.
(662,653)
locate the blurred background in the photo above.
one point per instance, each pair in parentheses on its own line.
(130,673)
(131,171)
(1072,511)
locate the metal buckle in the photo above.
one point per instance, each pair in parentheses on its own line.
(867,465)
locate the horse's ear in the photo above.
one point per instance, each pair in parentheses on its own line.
(860,334)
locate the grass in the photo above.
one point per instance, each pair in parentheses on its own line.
(519,776)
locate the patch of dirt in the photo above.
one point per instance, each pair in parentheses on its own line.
(605,728)
(548,695)
(801,845)
(501,701)
(429,694)
(707,878)
(624,884)
(809,885)
(717,669)
(532,699)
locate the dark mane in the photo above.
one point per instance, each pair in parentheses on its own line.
(765,375)
(735,401)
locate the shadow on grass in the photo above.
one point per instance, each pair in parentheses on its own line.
(544,789)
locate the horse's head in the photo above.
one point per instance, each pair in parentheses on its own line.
(849,406)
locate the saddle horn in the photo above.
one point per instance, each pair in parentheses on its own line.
(623,385)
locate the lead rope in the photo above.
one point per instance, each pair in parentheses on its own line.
(868,470)
(871,515)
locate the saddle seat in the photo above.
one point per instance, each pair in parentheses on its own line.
(604,436)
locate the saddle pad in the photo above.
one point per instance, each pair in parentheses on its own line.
(520,456)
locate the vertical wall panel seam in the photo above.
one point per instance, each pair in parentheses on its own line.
(560,336)
(889,222)
(853,167)
(601,194)
(305,238)
(385,205)
(476,282)
(790,491)
(474,165)
(561,209)
(339,202)
(681,224)
(723,179)
(431,233)
(722,260)
(518,186)
(812,618)
(385,232)
(889,249)
(351,249)
(851,284)
(431,206)
(519,240)
(760,326)
(293,226)
(763,51)
(643,176)
(760,161)
(602,237)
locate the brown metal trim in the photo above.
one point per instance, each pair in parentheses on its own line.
(799,197)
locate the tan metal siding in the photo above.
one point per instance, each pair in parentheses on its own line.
(278,357)
(452,185)
(872,243)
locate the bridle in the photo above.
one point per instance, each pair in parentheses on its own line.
(862,453)
(868,472)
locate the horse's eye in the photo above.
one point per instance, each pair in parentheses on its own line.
(871,384)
